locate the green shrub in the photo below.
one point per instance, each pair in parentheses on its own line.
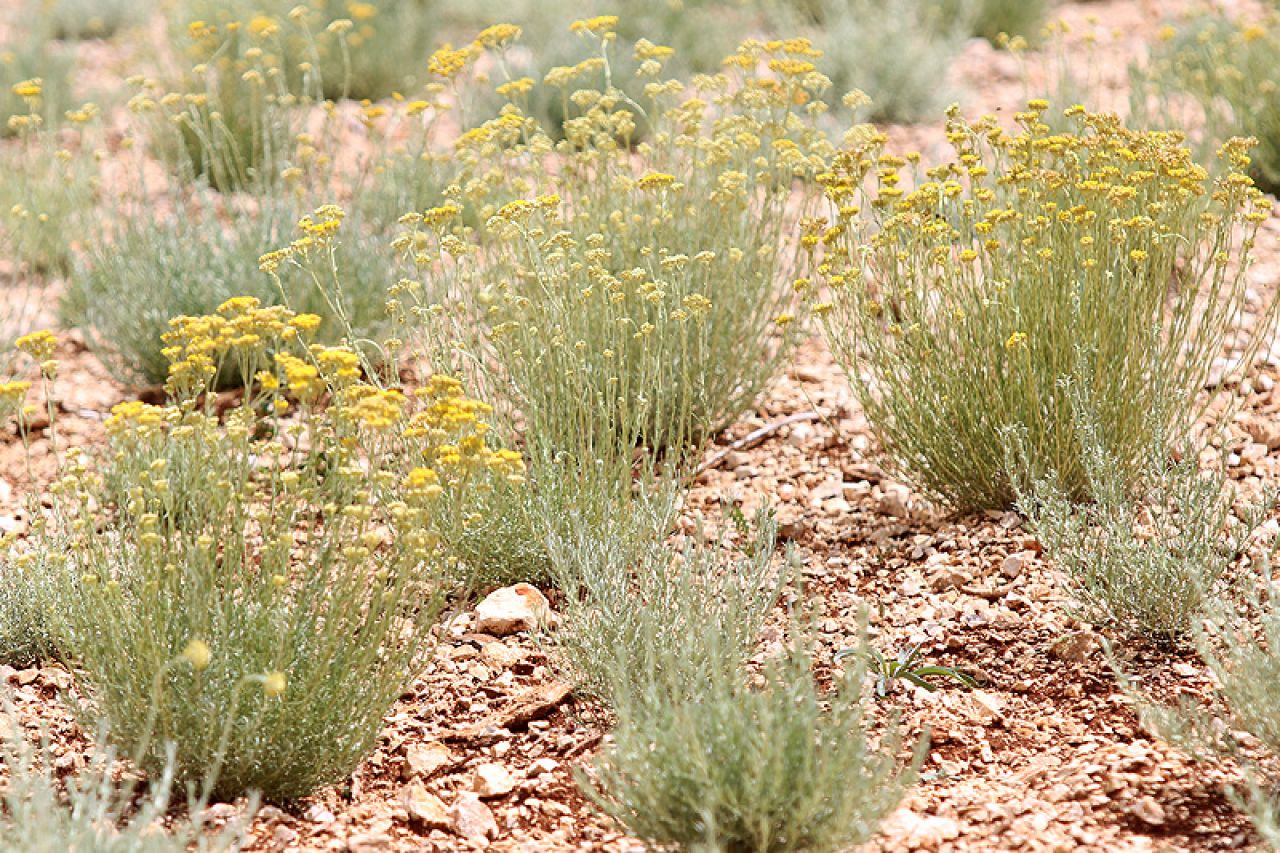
(700,760)
(92,811)
(134,281)
(645,284)
(1214,73)
(631,609)
(1146,561)
(259,593)
(359,49)
(27,593)
(92,19)
(897,52)
(42,202)
(991,19)
(958,306)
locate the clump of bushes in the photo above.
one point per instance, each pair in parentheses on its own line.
(1213,73)
(258,593)
(1145,557)
(965,297)
(133,281)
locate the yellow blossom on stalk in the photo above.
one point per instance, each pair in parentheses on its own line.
(439,215)
(29,89)
(498,35)
(306,323)
(656,180)
(520,86)
(1015,340)
(263,26)
(371,407)
(362,11)
(274,684)
(646,49)
(12,395)
(198,655)
(302,379)
(448,62)
(599,25)
(39,345)
(340,364)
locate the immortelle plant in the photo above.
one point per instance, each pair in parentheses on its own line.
(705,757)
(1214,72)
(99,809)
(959,298)
(1145,556)
(623,295)
(258,592)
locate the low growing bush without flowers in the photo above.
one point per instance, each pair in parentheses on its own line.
(1147,555)
(702,760)
(959,302)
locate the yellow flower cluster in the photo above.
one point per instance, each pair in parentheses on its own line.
(196,347)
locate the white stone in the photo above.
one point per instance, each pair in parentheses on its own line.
(512,609)
(472,819)
(492,780)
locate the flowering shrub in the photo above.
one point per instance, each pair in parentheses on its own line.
(1215,74)
(359,49)
(258,592)
(905,83)
(134,280)
(42,201)
(644,282)
(34,80)
(231,119)
(959,305)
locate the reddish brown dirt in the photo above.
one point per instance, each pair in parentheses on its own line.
(1046,754)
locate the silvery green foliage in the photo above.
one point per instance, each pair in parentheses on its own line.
(703,759)
(98,810)
(1145,559)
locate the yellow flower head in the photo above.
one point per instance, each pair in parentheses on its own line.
(39,345)
(274,684)
(599,25)
(498,35)
(197,654)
